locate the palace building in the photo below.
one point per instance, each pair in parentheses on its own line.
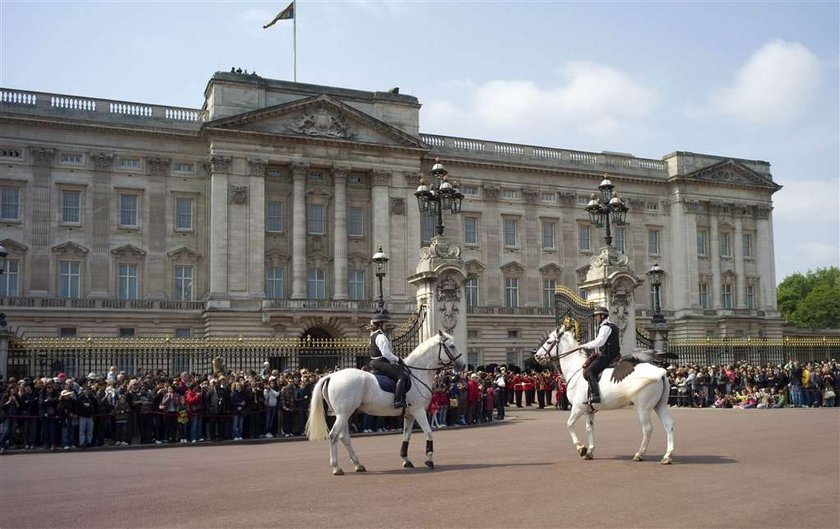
(258,215)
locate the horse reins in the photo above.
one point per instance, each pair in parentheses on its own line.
(452,359)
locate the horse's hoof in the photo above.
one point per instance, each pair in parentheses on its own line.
(588,456)
(430,464)
(581,450)
(338,472)
(360,468)
(666,460)
(638,457)
(408,464)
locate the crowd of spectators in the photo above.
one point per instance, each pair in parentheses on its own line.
(155,408)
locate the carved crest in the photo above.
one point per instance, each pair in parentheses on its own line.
(398,206)
(449,296)
(239,194)
(322,123)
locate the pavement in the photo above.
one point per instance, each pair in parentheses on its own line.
(732,468)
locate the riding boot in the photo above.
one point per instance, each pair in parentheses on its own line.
(595,394)
(399,394)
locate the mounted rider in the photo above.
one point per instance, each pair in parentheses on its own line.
(384,360)
(606,347)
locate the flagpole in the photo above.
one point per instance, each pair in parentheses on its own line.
(294,35)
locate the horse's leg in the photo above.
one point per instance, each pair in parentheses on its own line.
(408,424)
(423,421)
(590,434)
(333,438)
(344,435)
(668,424)
(647,428)
(570,425)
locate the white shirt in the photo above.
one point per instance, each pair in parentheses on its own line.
(603,333)
(385,347)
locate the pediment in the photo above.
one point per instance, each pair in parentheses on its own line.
(357,261)
(276,257)
(71,249)
(128,250)
(474,267)
(13,246)
(183,253)
(551,270)
(319,118)
(731,172)
(514,268)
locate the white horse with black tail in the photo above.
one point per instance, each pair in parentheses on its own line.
(349,390)
(643,384)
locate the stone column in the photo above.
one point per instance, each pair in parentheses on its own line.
(381,218)
(531,249)
(683,270)
(765,259)
(299,172)
(738,253)
(714,256)
(220,167)
(340,240)
(40,204)
(440,281)
(99,259)
(256,229)
(491,228)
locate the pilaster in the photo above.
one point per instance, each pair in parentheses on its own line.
(340,238)
(299,172)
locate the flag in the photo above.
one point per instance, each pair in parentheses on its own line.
(286,14)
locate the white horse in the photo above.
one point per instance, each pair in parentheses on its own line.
(349,390)
(646,387)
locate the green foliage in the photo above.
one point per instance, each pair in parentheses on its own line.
(811,300)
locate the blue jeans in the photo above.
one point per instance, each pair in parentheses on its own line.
(270,419)
(66,431)
(196,428)
(85,431)
(49,426)
(796,396)
(237,425)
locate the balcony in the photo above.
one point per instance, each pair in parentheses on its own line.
(336,305)
(101,304)
(509,311)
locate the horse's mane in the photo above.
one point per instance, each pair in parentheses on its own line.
(425,345)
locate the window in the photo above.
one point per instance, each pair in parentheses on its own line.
(317,176)
(71,158)
(511,292)
(653,242)
(584,294)
(128,210)
(9,279)
(726,244)
(512,358)
(130,163)
(549,286)
(183,282)
(472,357)
(471,191)
(704,295)
(510,194)
(620,238)
(183,213)
(549,197)
(651,206)
(9,203)
(356,222)
(548,228)
(273,216)
(126,332)
(181,167)
(472,333)
(583,238)
(470,230)
(510,232)
(427,229)
(69,279)
(315,220)
(702,243)
(67,332)
(70,206)
(317,286)
(356,284)
(12,154)
(582,200)
(748,245)
(472,292)
(513,334)
(127,281)
(750,294)
(726,295)
(183,333)
(273,282)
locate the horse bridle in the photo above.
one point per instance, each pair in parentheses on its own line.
(442,348)
(561,355)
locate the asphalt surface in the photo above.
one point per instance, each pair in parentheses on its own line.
(732,468)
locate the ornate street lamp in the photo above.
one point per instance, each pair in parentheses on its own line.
(440,196)
(381,261)
(605,204)
(655,274)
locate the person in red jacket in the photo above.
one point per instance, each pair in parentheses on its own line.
(517,389)
(562,402)
(195,409)
(473,400)
(528,389)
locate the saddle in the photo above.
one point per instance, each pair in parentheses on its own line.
(621,366)
(389,385)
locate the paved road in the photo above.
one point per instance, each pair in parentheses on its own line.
(733,468)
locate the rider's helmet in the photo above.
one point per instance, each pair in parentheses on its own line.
(601,310)
(380,316)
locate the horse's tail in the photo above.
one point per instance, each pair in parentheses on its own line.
(316,424)
(666,391)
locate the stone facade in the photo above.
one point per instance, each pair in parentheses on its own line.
(259,213)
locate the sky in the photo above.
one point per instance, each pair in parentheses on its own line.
(753,80)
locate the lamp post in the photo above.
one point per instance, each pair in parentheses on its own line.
(441,195)
(381,261)
(605,204)
(655,274)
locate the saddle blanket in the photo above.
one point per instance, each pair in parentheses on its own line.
(385,383)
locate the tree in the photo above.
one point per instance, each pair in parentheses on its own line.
(811,300)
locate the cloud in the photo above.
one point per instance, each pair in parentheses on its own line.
(808,201)
(593,99)
(774,86)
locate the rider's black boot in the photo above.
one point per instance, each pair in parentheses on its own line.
(399,394)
